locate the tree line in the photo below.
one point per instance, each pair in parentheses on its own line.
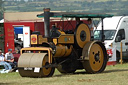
(116,7)
(1,9)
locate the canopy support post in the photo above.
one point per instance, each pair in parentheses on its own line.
(103,36)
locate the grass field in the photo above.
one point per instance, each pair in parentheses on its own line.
(113,75)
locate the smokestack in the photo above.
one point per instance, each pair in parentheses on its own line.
(47,22)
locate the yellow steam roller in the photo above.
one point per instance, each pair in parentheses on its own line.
(66,51)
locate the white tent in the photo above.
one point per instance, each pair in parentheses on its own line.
(2,21)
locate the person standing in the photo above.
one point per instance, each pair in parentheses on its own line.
(6,65)
(78,21)
(91,27)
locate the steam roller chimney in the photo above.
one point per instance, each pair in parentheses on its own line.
(47,22)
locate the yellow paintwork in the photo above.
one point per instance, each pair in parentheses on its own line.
(62,51)
(46,71)
(82,27)
(62,32)
(36,39)
(66,39)
(98,64)
(41,39)
(49,50)
(62,39)
(55,41)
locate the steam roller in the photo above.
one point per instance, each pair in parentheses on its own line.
(65,51)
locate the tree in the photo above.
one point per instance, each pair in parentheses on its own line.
(1,10)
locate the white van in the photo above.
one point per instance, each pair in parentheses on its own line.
(115,31)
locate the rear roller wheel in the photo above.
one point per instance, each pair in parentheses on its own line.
(95,56)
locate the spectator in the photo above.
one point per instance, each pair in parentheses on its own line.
(78,21)
(91,27)
(6,65)
(10,58)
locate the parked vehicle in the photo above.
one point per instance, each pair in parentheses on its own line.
(115,31)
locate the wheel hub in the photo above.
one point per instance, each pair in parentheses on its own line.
(83,35)
(97,57)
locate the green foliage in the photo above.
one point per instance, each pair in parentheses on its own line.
(1,9)
(116,7)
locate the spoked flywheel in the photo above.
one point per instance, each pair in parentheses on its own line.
(33,60)
(95,57)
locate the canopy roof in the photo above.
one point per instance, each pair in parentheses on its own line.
(74,14)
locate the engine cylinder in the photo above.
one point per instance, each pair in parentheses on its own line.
(63,51)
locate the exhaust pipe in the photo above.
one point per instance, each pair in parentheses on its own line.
(47,22)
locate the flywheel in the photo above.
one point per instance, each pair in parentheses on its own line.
(82,35)
(95,57)
(28,62)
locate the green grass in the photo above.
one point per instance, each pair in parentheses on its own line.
(113,75)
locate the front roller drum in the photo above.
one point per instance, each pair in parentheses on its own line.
(32,60)
(95,57)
